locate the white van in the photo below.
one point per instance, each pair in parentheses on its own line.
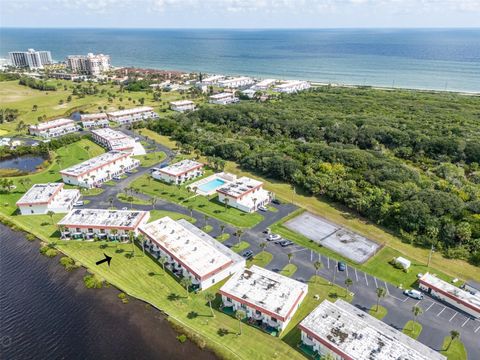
(414,294)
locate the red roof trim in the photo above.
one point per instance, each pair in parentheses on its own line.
(326,343)
(241,195)
(183,172)
(59,187)
(95,168)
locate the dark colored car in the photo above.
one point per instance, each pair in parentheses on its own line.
(248,254)
(276,202)
(285,243)
(341,266)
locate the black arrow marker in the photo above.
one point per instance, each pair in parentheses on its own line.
(107,259)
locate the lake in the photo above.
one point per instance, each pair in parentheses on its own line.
(26,163)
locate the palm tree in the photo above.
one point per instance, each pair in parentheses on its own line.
(110,200)
(205,217)
(317,265)
(141,240)
(93,179)
(240,315)
(454,334)
(190,207)
(86,147)
(61,228)
(131,238)
(153,201)
(263,245)
(114,232)
(290,257)
(186,282)
(51,213)
(226,201)
(163,260)
(381,292)
(416,310)
(130,200)
(254,204)
(210,297)
(222,228)
(348,283)
(239,233)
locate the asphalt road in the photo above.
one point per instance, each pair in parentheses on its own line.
(438,319)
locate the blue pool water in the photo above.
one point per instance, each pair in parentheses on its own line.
(211,185)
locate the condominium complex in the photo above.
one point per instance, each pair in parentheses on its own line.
(179,172)
(89,64)
(99,169)
(129,116)
(53,128)
(223,99)
(212,80)
(236,82)
(264,84)
(31,58)
(244,193)
(182,105)
(269,299)
(467,301)
(292,86)
(113,139)
(190,252)
(42,198)
(103,224)
(90,121)
(344,332)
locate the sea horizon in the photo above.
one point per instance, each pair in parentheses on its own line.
(440,59)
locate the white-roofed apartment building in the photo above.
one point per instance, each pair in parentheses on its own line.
(101,223)
(224,98)
(190,252)
(53,128)
(98,120)
(42,198)
(182,105)
(268,299)
(244,193)
(179,172)
(129,116)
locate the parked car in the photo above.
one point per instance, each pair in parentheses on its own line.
(341,266)
(285,243)
(415,294)
(276,202)
(267,231)
(129,172)
(125,208)
(79,203)
(262,208)
(248,254)
(116,178)
(273,237)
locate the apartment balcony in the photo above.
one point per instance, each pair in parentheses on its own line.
(257,316)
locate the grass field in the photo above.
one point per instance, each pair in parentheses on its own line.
(135,200)
(151,159)
(379,313)
(289,270)
(262,259)
(241,246)
(13,95)
(412,329)
(205,205)
(161,139)
(454,350)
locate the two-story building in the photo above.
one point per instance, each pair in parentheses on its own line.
(190,252)
(292,86)
(179,172)
(90,121)
(53,128)
(89,224)
(182,105)
(99,169)
(42,198)
(268,299)
(129,116)
(244,193)
(224,98)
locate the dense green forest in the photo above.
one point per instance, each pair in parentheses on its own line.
(404,159)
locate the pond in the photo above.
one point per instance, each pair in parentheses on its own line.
(26,163)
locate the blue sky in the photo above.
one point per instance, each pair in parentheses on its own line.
(239,13)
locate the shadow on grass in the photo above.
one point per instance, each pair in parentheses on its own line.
(173,297)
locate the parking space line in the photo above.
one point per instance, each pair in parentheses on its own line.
(478,328)
(429,307)
(453,316)
(465,323)
(418,302)
(406,298)
(328,262)
(356,275)
(376,284)
(386,287)
(442,311)
(366,278)
(346,269)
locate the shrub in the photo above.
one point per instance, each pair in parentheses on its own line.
(122,296)
(68,263)
(48,251)
(182,338)
(30,237)
(92,282)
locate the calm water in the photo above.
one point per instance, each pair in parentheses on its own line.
(47,313)
(428,59)
(26,163)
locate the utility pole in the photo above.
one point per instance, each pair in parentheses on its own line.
(430,255)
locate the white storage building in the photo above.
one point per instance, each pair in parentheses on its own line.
(42,198)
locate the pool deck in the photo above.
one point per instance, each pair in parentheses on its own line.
(225,177)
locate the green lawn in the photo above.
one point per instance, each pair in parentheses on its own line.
(157,214)
(378,265)
(91,192)
(207,228)
(454,350)
(262,259)
(151,159)
(223,237)
(205,205)
(239,247)
(135,200)
(379,313)
(161,139)
(289,270)
(412,329)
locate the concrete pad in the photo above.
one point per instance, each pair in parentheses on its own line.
(348,244)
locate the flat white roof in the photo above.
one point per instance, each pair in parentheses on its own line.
(40,194)
(290,83)
(197,254)
(236,79)
(266,82)
(181,102)
(130,111)
(361,336)
(181,167)
(97,116)
(466,297)
(116,139)
(93,163)
(240,187)
(221,96)
(213,78)
(52,124)
(101,218)
(266,290)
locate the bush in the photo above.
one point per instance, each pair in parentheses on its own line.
(92,282)
(122,296)
(182,338)
(30,237)
(68,263)
(48,251)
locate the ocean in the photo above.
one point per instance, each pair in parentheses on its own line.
(438,59)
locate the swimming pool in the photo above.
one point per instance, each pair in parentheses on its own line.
(211,185)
